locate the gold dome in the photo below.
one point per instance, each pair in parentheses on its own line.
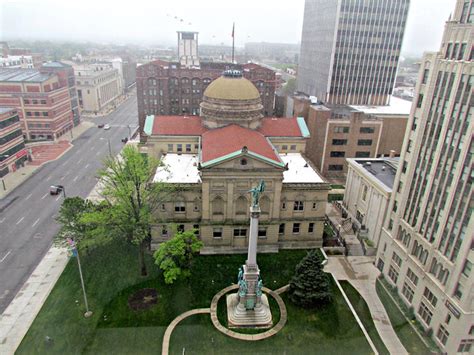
(232,88)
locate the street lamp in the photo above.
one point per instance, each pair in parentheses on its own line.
(108,141)
(129,132)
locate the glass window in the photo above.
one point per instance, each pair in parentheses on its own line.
(364,142)
(170,147)
(262,232)
(362,154)
(180,207)
(217,233)
(336,154)
(311,227)
(179,147)
(465,346)
(335,167)
(339,142)
(341,129)
(425,76)
(281,228)
(240,232)
(442,335)
(459,290)
(298,206)
(425,313)
(467,268)
(188,148)
(393,274)
(367,130)
(293,147)
(408,292)
(296,228)
(430,297)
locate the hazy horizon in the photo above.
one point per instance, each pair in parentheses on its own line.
(151,24)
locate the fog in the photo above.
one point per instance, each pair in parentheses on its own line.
(156,22)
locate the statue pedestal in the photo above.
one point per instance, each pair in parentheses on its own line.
(239,317)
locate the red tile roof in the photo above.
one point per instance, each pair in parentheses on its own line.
(280,127)
(219,142)
(178,126)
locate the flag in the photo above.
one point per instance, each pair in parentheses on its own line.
(233,27)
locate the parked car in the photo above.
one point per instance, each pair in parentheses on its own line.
(124,140)
(56,189)
(100,125)
(106,126)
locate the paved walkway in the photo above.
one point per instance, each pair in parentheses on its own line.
(166,338)
(362,275)
(20,314)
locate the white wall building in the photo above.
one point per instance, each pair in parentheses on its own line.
(369,186)
(17,61)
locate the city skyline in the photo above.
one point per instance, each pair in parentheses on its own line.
(132,25)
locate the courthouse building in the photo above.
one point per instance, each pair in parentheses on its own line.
(217,157)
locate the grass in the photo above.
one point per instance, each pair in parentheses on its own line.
(111,275)
(407,335)
(330,330)
(363,312)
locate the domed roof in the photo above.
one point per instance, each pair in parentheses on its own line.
(232,88)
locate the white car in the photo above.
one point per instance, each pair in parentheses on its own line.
(106,126)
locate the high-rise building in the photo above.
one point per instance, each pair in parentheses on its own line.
(350,50)
(427,243)
(188,49)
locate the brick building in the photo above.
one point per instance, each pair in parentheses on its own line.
(42,103)
(342,131)
(65,73)
(13,153)
(168,88)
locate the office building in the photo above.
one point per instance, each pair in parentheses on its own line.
(426,247)
(42,102)
(350,50)
(13,153)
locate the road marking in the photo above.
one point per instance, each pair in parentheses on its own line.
(79,161)
(87,165)
(49,177)
(75,178)
(57,198)
(1,220)
(92,148)
(27,197)
(21,219)
(96,154)
(5,293)
(46,194)
(34,224)
(2,259)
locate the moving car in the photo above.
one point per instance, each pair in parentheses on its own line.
(106,126)
(56,189)
(100,125)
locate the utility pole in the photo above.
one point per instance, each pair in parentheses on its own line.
(233,41)
(75,252)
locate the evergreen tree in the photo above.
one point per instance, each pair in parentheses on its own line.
(310,285)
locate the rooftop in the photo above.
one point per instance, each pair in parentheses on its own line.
(21,75)
(383,169)
(232,88)
(299,170)
(284,127)
(396,106)
(221,142)
(178,168)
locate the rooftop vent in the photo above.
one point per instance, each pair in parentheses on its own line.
(368,163)
(383,167)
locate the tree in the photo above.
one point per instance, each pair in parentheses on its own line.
(310,285)
(175,256)
(131,197)
(70,218)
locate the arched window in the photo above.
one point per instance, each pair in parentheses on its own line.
(241,205)
(218,205)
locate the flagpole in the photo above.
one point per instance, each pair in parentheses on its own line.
(233,42)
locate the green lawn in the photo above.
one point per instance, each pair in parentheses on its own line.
(409,338)
(363,312)
(111,275)
(331,330)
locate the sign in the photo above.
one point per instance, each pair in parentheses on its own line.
(452,309)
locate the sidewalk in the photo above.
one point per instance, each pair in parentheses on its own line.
(42,154)
(352,243)
(20,314)
(362,275)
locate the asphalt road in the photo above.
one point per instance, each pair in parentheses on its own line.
(27,215)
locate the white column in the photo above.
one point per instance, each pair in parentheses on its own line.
(253,236)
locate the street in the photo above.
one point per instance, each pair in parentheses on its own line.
(27,215)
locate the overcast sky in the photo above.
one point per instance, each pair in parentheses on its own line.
(156,21)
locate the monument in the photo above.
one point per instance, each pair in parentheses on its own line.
(249,308)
